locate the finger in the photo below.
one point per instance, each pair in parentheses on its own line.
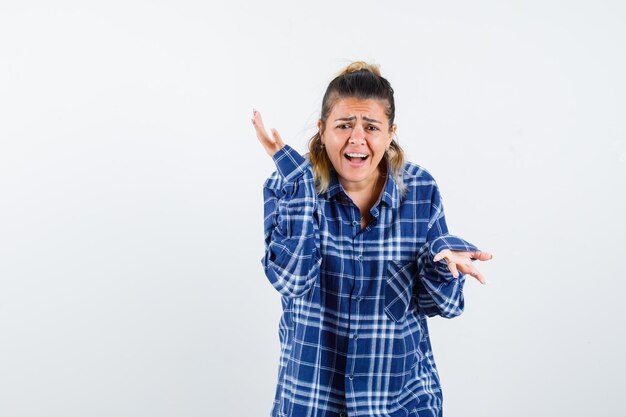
(482,256)
(471,270)
(256,116)
(453,269)
(480,277)
(259,126)
(277,138)
(441,255)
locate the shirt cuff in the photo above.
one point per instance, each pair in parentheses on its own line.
(290,163)
(450,242)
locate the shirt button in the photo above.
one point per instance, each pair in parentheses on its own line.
(342,414)
(355,223)
(355,336)
(359,298)
(360,257)
(350,377)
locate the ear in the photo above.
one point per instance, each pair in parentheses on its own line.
(394,127)
(319,127)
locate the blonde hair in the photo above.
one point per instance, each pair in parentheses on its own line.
(363,81)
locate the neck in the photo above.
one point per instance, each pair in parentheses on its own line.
(370,186)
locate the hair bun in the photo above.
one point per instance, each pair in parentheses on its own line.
(361,65)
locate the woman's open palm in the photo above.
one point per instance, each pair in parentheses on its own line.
(271,144)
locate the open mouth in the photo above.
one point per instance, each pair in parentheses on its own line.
(357,157)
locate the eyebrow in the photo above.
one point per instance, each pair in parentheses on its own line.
(349,119)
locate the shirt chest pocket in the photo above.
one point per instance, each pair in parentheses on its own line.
(399,288)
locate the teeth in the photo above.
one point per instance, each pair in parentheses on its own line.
(356,155)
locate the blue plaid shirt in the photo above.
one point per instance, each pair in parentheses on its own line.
(353,332)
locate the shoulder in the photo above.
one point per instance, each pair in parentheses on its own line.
(415,175)
(275,181)
(420,187)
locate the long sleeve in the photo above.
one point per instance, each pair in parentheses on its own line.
(292,257)
(439,293)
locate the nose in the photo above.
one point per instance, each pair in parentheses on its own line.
(358,135)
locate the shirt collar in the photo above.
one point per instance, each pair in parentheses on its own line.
(390,196)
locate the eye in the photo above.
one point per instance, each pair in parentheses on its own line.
(373,127)
(342,126)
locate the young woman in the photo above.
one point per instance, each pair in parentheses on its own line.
(357,245)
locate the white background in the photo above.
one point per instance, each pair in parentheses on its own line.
(131,223)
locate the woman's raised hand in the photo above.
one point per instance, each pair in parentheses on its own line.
(462,261)
(271,144)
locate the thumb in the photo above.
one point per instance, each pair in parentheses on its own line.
(482,256)
(277,138)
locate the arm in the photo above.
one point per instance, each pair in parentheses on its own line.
(292,257)
(439,293)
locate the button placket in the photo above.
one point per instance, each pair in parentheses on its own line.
(358,257)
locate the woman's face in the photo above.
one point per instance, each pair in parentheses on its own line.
(355,129)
